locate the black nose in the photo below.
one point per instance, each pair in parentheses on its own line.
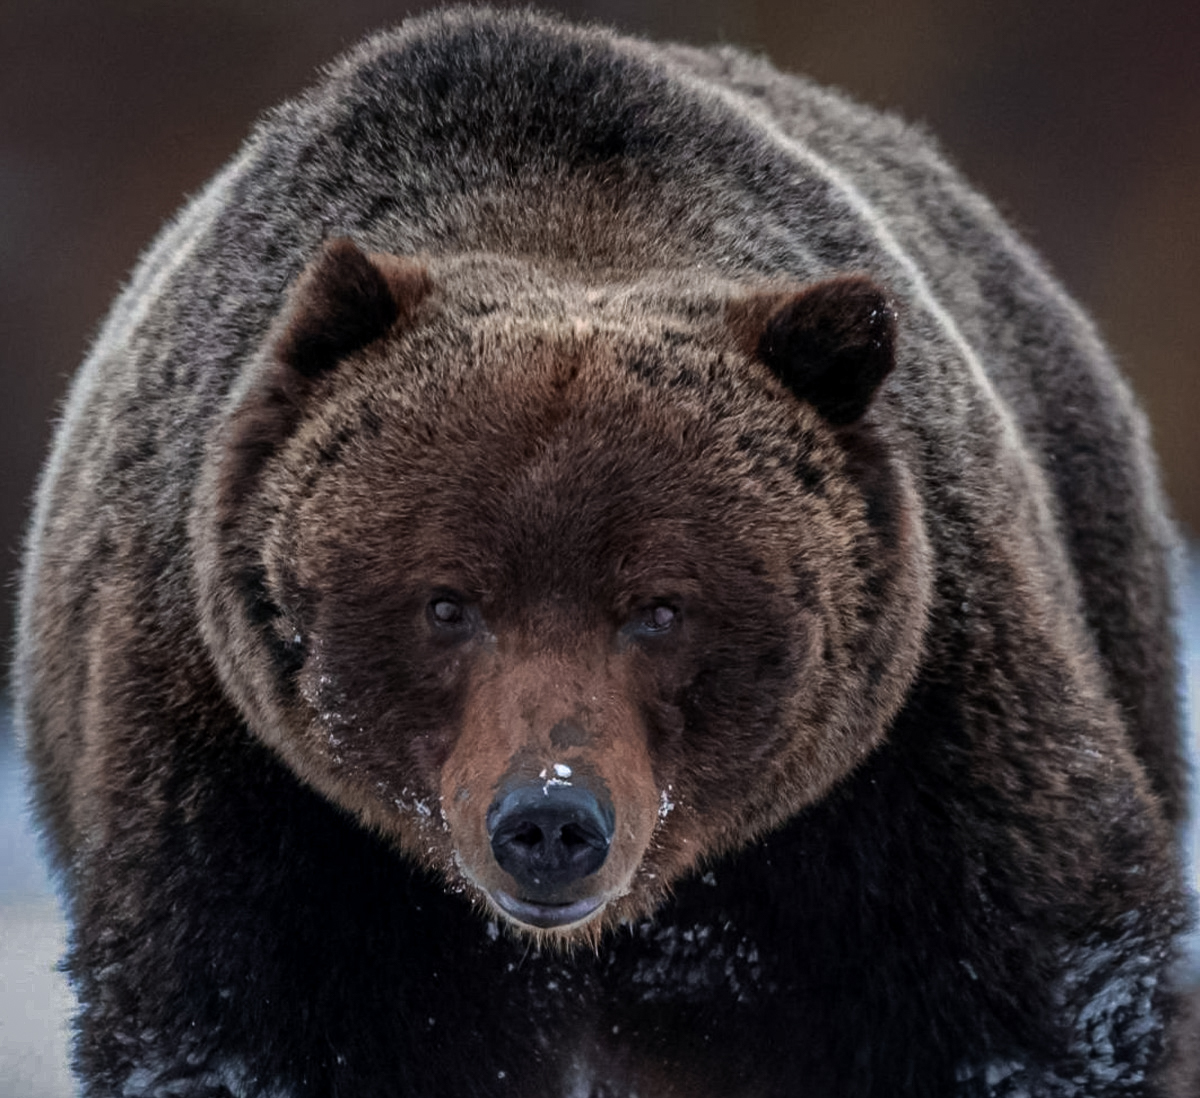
(546,836)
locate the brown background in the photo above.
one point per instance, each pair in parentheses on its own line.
(1082,120)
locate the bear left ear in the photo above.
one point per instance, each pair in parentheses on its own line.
(832,343)
(344,300)
(341,302)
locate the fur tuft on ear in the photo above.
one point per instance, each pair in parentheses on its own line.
(343,301)
(832,343)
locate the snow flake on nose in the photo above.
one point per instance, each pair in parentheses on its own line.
(556,774)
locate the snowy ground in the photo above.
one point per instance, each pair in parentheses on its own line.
(34,1002)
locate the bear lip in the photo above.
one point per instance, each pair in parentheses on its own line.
(546,916)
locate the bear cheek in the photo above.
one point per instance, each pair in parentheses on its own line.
(549,793)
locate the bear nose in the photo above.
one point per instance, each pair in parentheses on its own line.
(548,836)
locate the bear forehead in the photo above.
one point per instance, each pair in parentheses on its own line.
(521,394)
(554,443)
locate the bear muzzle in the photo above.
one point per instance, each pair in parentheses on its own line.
(549,792)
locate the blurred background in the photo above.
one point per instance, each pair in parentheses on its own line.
(1081,119)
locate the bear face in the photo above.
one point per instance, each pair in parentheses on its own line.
(532,613)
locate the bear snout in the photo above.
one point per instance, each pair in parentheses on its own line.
(549,791)
(547,835)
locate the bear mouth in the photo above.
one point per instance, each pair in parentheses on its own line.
(545,916)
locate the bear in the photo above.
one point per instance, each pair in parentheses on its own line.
(578,567)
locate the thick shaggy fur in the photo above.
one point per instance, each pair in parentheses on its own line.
(527,403)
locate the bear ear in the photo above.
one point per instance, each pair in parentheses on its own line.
(832,343)
(344,300)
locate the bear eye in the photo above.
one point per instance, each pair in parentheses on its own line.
(446,611)
(450,615)
(661,617)
(655,619)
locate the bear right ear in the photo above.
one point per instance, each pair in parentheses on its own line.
(832,344)
(344,300)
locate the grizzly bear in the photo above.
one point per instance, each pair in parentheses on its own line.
(582,568)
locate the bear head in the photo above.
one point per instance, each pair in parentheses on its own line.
(563,589)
